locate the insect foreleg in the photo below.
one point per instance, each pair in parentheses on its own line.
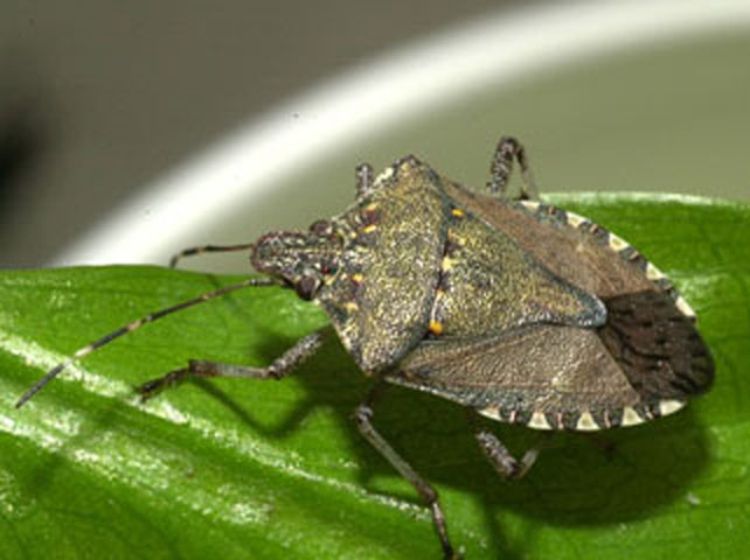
(279,368)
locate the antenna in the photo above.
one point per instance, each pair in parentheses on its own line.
(135,325)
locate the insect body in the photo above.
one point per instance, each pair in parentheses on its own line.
(516,309)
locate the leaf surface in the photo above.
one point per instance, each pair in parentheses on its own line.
(263,469)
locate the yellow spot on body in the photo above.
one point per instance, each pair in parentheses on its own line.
(351,307)
(447,263)
(369,229)
(436,327)
(357,277)
(457,239)
(458,213)
(371,207)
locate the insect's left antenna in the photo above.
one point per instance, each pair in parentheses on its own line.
(130,327)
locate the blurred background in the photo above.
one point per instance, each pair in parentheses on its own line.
(108,110)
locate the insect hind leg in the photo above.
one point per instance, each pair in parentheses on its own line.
(508,150)
(501,459)
(363,417)
(278,369)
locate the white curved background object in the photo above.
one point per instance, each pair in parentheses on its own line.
(502,47)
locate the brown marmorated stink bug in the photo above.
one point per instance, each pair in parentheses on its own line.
(515,309)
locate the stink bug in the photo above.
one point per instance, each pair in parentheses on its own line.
(518,310)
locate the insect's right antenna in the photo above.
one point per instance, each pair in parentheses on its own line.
(193,251)
(130,327)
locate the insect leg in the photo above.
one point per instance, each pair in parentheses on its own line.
(498,455)
(363,174)
(363,417)
(279,368)
(510,149)
(192,251)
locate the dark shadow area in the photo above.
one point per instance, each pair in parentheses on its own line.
(580,479)
(341,390)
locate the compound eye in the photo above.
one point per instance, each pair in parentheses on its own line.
(306,287)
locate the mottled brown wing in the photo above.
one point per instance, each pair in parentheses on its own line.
(560,377)
(489,285)
(578,252)
(380,300)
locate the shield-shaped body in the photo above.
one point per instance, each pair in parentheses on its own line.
(525,312)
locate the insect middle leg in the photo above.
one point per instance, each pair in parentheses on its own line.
(279,368)
(363,416)
(510,149)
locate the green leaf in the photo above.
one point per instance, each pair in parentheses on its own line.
(260,469)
